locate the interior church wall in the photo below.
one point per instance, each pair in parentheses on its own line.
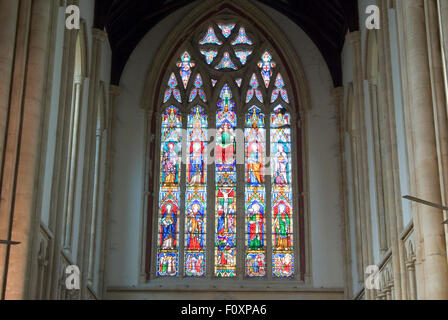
(371,245)
(78,253)
(126,216)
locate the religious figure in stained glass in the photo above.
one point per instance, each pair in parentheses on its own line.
(169,226)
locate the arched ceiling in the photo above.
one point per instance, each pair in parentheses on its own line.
(325,21)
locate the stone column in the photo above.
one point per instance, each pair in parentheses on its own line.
(8,23)
(426,169)
(410,265)
(363,188)
(24,155)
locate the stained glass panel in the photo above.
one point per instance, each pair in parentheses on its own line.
(172,89)
(282,206)
(255,195)
(266,65)
(243,55)
(279,90)
(197,90)
(185,66)
(225,217)
(254,90)
(226,63)
(242,38)
(168,218)
(209,55)
(210,37)
(226,29)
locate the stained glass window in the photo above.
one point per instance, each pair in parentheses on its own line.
(265,209)
(282,209)
(168,222)
(196,193)
(225,162)
(255,199)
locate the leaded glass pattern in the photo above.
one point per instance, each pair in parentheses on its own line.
(282,205)
(168,222)
(196,194)
(255,193)
(201,211)
(225,168)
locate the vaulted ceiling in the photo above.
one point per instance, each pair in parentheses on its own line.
(325,21)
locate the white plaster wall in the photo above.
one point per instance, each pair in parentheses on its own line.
(128,175)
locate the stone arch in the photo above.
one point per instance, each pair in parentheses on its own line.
(161,68)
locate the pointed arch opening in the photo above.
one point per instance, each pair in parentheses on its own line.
(236,173)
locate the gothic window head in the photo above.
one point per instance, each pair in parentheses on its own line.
(225,202)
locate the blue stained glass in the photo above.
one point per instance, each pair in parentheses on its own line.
(241,38)
(210,37)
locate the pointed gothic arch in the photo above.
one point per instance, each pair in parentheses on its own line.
(184,39)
